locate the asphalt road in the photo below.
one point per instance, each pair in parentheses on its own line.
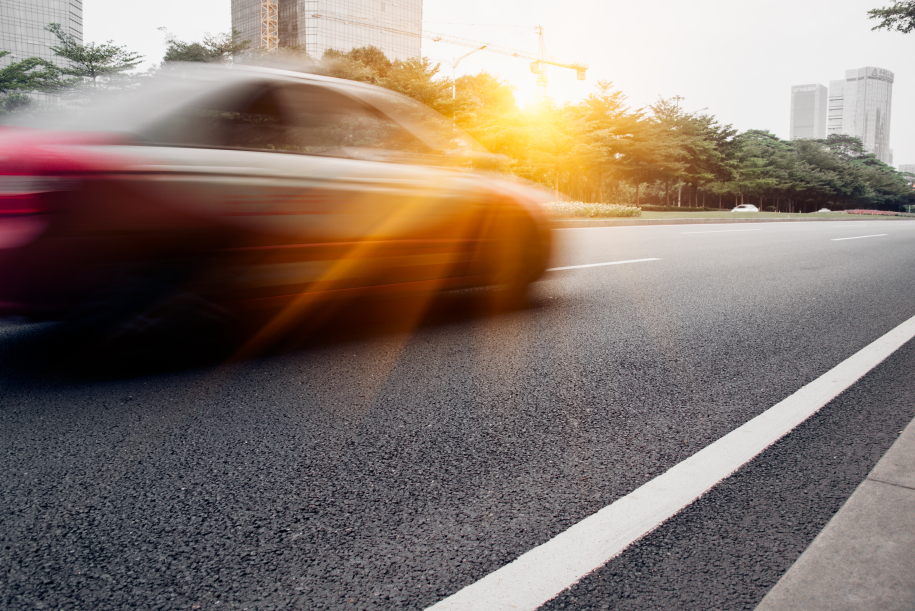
(382,465)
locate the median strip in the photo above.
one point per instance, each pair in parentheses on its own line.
(859,237)
(556,269)
(545,571)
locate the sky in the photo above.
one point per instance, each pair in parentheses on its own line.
(736,59)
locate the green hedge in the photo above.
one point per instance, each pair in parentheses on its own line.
(651,208)
(589,211)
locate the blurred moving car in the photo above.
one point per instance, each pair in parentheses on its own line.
(216,191)
(745,208)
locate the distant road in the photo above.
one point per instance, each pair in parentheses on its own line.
(390,469)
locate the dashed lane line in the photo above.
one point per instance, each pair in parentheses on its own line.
(720,231)
(556,269)
(859,237)
(543,572)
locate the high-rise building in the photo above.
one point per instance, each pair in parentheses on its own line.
(835,107)
(862,105)
(808,112)
(394,26)
(23,23)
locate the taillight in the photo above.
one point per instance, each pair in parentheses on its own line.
(23,204)
(22,195)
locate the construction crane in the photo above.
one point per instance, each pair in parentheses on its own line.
(270,25)
(538,66)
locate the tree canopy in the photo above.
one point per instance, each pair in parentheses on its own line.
(29,75)
(219,48)
(91,61)
(900,16)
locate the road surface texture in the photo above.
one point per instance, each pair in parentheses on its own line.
(387,466)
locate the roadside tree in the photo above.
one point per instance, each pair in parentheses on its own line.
(415,77)
(219,48)
(615,132)
(92,61)
(900,17)
(27,76)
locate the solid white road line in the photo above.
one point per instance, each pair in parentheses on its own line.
(858,237)
(545,571)
(720,231)
(556,269)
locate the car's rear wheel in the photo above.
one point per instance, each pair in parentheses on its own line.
(154,315)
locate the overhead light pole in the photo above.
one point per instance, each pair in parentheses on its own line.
(454,65)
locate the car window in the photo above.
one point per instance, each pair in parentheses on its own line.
(434,128)
(325,122)
(251,119)
(292,118)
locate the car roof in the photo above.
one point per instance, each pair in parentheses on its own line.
(260,71)
(130,111)
(244,72)
(174,85)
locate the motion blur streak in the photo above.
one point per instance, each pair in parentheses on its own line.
(347,267)
(214,196)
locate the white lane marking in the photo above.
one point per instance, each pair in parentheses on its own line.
(719,231)
(858,237)
(543,572)
(800,224)
(556,269)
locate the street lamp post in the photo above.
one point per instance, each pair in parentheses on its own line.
(454,65)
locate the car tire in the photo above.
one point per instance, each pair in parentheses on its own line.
(154,315)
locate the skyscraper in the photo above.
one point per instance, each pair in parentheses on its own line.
(835,107)
(861,105)
(22,28)
(808,112)
(394,26)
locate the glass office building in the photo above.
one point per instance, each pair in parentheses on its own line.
(861,106)
(808,112)
(835,106)
(318,25)
(22,28)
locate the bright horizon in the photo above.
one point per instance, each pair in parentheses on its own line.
(739,61)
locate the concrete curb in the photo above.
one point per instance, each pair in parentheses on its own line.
(630,222)
(865,557)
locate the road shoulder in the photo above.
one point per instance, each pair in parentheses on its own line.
(865,556)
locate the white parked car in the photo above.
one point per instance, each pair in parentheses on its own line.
(745,208)
(824,210)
